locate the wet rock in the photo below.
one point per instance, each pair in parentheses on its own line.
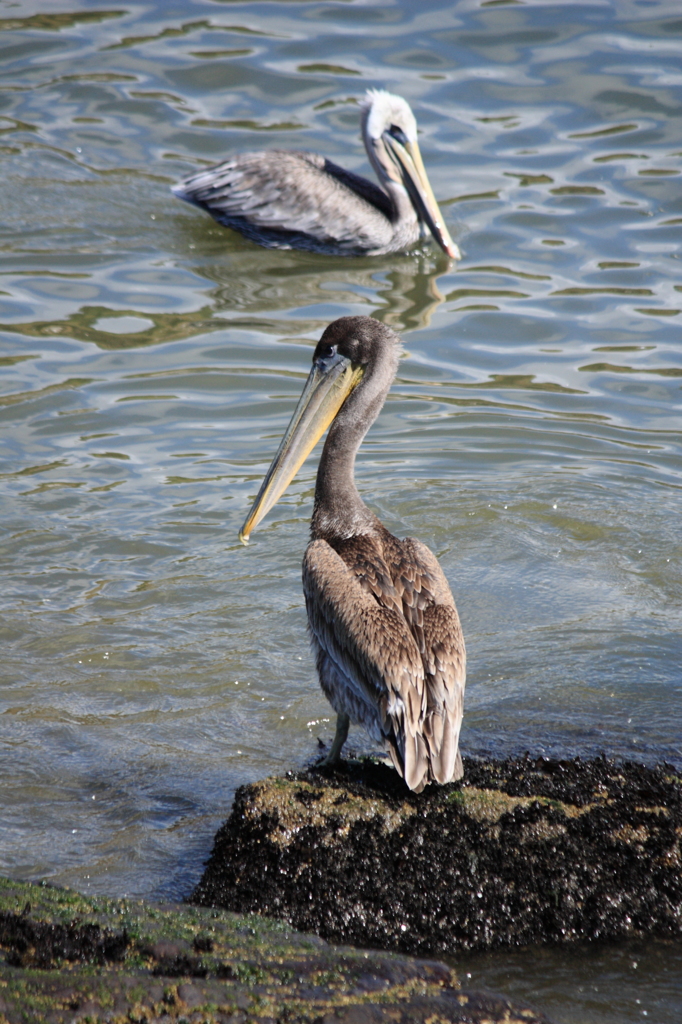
(520,851)
(128,961)
(40,944)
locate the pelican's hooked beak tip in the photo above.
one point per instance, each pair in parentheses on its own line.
(453,251)
(244,538)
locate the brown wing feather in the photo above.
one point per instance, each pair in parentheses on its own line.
(370,643)
(430,611)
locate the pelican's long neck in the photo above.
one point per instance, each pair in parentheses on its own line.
(403,212)
(339,511)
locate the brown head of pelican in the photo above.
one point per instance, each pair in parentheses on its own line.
(285,199)
(382,621)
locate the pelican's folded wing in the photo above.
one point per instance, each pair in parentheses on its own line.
(289,191)
(373,648)
(430,611)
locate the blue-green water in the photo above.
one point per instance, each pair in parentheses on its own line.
(150,360)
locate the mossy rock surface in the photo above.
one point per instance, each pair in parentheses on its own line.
(518,852)
(69,958)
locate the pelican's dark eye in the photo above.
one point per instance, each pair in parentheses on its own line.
(398,134)
(325,353)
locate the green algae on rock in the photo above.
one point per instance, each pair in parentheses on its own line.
(71,958)
(521,851)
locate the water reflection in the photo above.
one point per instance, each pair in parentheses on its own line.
(400,290)
(413,297)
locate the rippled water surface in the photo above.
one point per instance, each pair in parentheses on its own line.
(150,360)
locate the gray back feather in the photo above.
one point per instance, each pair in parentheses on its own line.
(285,198)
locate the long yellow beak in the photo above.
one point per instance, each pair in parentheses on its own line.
(327,388)
(410,162)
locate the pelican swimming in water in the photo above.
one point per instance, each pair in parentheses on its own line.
(286,199)
(383,624)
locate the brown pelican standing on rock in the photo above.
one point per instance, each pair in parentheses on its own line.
(383,623)
(285,199)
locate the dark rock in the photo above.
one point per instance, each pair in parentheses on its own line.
(203,944)
(255,971)
(181,966)
(165,950)
(189,995)
(43,945)
(521,851)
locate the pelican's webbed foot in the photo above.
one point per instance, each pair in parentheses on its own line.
(334,755)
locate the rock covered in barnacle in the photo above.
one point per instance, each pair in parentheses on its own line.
(520,851)
(67,957)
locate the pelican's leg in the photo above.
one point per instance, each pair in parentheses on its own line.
(342,726)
